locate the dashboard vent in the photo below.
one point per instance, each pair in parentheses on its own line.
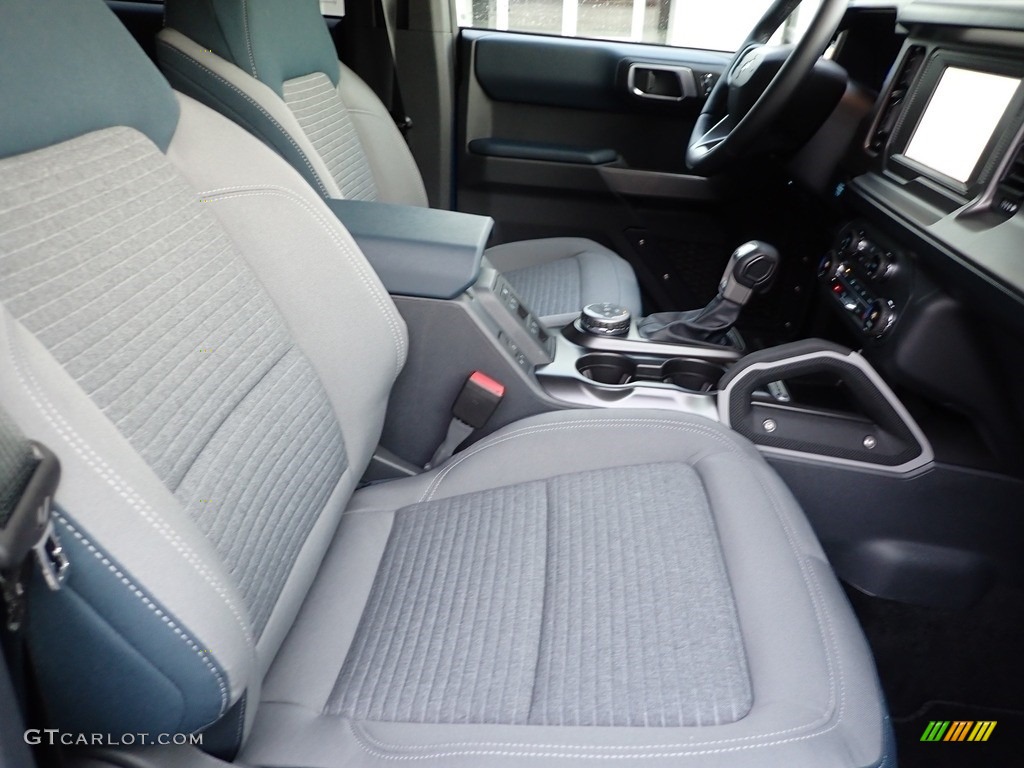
(896,100)
(1010,190)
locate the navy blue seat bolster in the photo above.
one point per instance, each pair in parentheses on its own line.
(120,645)
(271,41)
(97,77)
(195,79)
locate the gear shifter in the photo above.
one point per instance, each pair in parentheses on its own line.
(751,269)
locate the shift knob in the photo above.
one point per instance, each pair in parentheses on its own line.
(605,319)
(751,269)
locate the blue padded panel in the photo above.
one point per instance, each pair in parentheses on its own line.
(68,68)
(272,40)
(118,645)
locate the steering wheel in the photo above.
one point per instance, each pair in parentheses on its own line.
(741,106)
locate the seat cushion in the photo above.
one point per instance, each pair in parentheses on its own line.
(656,598)
(565,601)
(557,276)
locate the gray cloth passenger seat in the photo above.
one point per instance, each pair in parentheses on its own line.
(271,66)
(185,324)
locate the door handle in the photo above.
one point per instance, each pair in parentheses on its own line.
(661,82)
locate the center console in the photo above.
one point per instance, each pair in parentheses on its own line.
(631,371)
(463,315)
(820,413)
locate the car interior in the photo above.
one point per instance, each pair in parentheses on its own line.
(384,382)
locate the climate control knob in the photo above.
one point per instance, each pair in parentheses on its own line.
(826,267)
(879,318)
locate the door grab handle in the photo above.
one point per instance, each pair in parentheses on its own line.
(661,81)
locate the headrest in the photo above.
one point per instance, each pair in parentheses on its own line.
(69,67)
(272,40)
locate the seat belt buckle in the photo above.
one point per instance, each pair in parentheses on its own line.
(29,528)
(479,399)
(52,560)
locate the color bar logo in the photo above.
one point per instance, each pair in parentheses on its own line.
(958,730)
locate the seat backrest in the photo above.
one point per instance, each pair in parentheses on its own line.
(270,65)
(185,324)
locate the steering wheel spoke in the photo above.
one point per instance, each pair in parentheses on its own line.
(714,136)
(759,82)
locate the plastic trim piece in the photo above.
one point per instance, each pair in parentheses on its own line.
(924,458)
(1007,15)
(687,83)
(543,151)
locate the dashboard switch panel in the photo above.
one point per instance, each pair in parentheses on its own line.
(877,260)
(854,272)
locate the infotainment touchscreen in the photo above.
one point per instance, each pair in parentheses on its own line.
(959,120)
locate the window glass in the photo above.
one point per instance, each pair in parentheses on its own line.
(711,24)
(332,7)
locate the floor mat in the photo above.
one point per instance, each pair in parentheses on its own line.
(944,665)
(1003,748)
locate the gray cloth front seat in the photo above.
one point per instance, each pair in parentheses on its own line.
(271,66)
(187,326)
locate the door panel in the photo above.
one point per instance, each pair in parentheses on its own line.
(585,93)
(569,72)
(562,136)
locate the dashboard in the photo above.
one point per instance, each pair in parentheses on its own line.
(926,266)
(945,141)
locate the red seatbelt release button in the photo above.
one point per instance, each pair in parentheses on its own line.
(479,398)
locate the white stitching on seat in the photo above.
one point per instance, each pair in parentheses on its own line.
(435,485)
(258,106)
(812,583)
(835,673)
(241,721)
(123,489)
(138,592)
(248,38)
(390,315)
(564,751)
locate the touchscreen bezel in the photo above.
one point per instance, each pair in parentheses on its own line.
(935,67)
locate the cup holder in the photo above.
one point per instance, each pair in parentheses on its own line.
(607,368)
(692,374)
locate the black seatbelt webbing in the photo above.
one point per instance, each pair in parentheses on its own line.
(397,106)
(17,463)
(365,43)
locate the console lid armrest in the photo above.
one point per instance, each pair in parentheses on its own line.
(417,251)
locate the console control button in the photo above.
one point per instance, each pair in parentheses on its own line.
(605,319)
